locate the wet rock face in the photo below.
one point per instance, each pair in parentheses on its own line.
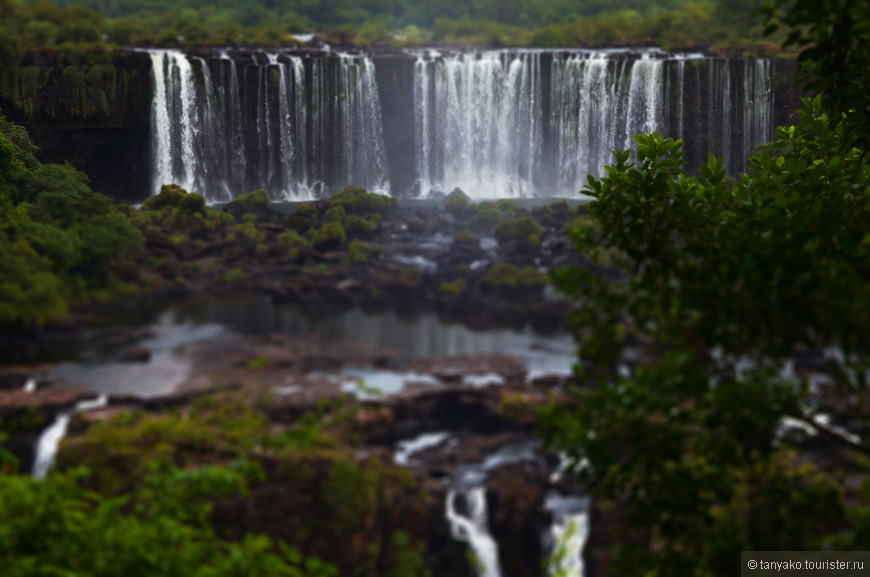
(516,498)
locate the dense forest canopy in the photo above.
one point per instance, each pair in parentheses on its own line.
(677,24)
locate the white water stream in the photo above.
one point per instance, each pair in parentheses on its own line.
(473,528)
(49,441)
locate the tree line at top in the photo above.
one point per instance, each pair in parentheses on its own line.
(722,26)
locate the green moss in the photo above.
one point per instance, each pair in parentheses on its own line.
(360,252)
(358,225)
(524,230)
(308,209)
(453,288)
(458,204)
(489,216)
(259,362)
(330,235)
(258,197)
(170,196)
(465,237)
(249,217)
(355,199)
(235,275)
(293,244)
(250,230)
(509,276)
(336,214)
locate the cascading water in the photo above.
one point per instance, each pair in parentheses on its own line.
(298,127)
(568,535)
(503,123)
(532,123)
(49,441)
(478,123)
(473,528)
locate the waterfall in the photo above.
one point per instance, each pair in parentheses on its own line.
(569,532)
(495,123)
(479,125)
(49,441)
(530,123)
(473,528)
(567,535)
(298,127)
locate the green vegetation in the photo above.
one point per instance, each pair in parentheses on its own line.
(162,529)
(458,205)
(62,243)
(725,281)
(465,237)
(329,236)
(293,244)
(235,275)
(356,200)
(508,276)
(452,288)
(724,25)
(359,252)
(336,214)
(359,226)
(525,231)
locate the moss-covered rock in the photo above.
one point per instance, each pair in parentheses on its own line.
(363,227)
(329,236)
(360,252)
(514,280)
(256,202)
(465,238)
(356,200)
(458,204)
(292,244)
(452,288)
(524,232)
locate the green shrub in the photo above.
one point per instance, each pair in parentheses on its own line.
(170,196)
(259,362)
(509,276)
(489,216)
(308,209)
(259,197)
(458,205)
(293,244)
(525,230)
(250,230)
(465,237)
(235,275)
(336,214)
(330,235)
(452,288)
(355,199)
(358,225)
(192,203)
(360,252)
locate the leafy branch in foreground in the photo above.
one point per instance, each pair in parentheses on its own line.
(722,282)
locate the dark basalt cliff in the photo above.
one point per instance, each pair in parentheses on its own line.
(90,108)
